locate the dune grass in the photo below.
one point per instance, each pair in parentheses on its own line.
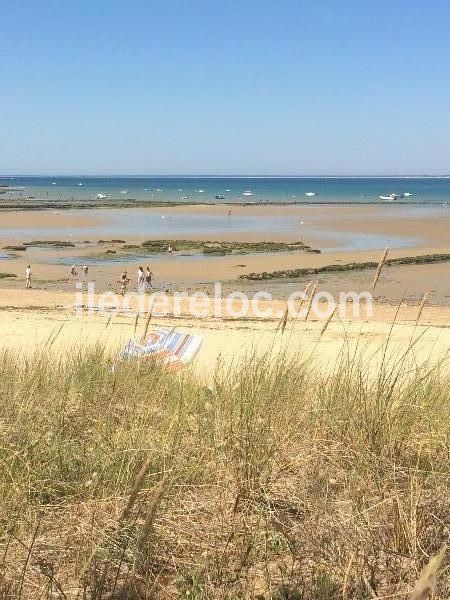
(275,482)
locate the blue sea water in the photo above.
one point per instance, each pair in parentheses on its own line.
(205,189)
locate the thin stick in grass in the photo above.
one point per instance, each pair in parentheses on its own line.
(379,268)
(422,306)
(148,319)
(328,321)
(310,300)
(137,486)
(136,323)
(305,295)
(155,501)
(284,319)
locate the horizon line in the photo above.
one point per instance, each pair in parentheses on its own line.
(228,176)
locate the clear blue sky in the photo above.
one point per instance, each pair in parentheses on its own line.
(230,87)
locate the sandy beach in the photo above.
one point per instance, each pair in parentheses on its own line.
(45,319)
(29,317)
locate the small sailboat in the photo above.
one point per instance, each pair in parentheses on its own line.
(309,194)
(390,197)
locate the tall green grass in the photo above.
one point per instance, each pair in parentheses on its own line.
(274,482)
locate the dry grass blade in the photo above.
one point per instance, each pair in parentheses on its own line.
(138,483)
(148,319)
(305,295)
(52,337)
(155,501)
(328,321)
(136,320)
(310,300)
(422,306)
(379,268)
(283,321)
(427,581)
(347,576)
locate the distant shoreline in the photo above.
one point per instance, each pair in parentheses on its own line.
(135,203)
(127,176)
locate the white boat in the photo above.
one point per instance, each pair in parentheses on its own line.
(159,190)
(228,190)
(247,193)
(53,182)
(100,196)
(407,194)
(80,183)
(200,191)
(390,197)
(310,194)
(124,191)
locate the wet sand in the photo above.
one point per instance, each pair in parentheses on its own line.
(323,226)
(329,228)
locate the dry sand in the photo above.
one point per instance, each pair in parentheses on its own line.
(30,321)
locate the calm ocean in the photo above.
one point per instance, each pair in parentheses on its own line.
(205,189)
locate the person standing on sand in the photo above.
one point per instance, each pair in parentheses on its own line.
(123,281)
(73,271)
(28,277)
(84,268)
(141,280)
(148,278)
(170,249)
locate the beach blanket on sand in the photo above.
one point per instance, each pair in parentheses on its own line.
(173,349)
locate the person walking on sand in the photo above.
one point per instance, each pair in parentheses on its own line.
(73,271)
(84,268)
(141,280)
(28,277)
(148,278)
(170,249)
(123,281)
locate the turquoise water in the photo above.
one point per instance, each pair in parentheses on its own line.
(271,189)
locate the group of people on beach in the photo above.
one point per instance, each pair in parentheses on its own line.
(74,272)
(144,280)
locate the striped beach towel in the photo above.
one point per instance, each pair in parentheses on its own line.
(173,349)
